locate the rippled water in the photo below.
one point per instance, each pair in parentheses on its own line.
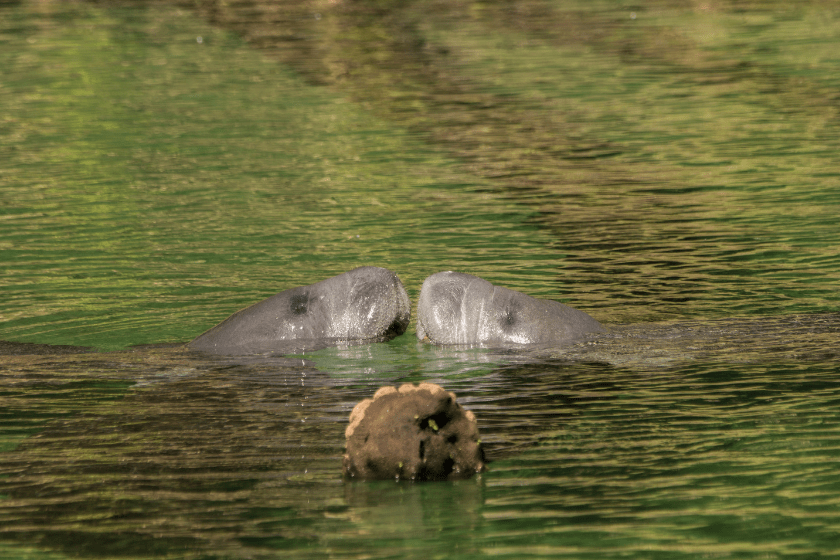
(672,170)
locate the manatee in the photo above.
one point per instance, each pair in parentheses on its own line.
(367,304)
(416,432)
(456,308)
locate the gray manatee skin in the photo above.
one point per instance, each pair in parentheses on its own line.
(365,304)
(457,308)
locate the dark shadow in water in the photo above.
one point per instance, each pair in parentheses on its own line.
(200,454)
(28,348)
(192,435)
(207,453)
(169,449)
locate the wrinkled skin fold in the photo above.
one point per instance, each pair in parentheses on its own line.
(457,308)
(367,304)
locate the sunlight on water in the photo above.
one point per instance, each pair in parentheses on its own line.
(669,168)
(196,196)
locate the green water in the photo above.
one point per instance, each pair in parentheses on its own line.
(134,162)
(671,169)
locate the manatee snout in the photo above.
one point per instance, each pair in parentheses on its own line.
(365,304)
(457,308)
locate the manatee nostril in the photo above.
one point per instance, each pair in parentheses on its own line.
(508,319)
(452,439)
(299,304)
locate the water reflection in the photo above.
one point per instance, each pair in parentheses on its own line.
(683,160)
(672,174)
(625,166)
(201,193)
(245,458)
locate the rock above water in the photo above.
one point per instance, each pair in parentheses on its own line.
(416,432)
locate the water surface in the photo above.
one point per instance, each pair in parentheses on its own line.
(670,169)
